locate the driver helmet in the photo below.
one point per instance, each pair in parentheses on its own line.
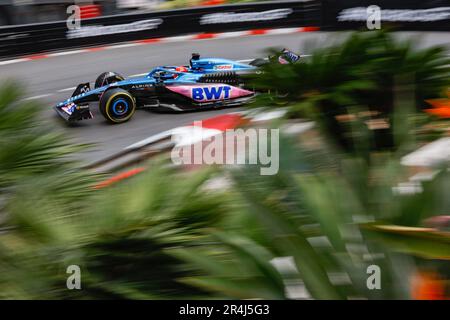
(195,56)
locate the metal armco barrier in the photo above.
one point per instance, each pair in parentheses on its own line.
(36,38)
(422,15)
(414,15)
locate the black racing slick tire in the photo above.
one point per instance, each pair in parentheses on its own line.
(107,78)
(117,105)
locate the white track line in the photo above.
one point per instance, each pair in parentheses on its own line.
(176,38)
(12,61)
(38,97)
(65,53)
(226,35)
(281,31)
(67,89)
(125,45)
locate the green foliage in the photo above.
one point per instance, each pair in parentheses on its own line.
(166,234)
(32,155)
(361,75)
(120,241)
(237,268)
(327,217)
(329,227)
(424,243)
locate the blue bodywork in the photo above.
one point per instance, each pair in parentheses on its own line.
(209,65)
(76,107)
(169,76)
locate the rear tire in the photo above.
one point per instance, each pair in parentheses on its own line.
(107,78)
(117,105)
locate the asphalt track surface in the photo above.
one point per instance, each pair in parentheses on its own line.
(53,79)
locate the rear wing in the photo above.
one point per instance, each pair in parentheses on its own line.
(286,56)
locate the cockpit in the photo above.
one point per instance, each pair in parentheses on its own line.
(173,72)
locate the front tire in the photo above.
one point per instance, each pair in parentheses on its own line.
(107,78)
(117,105)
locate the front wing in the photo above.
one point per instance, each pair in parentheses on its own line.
(73,112)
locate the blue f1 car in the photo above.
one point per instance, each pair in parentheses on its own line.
(203,84)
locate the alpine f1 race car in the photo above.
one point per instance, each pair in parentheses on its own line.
(204,84)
